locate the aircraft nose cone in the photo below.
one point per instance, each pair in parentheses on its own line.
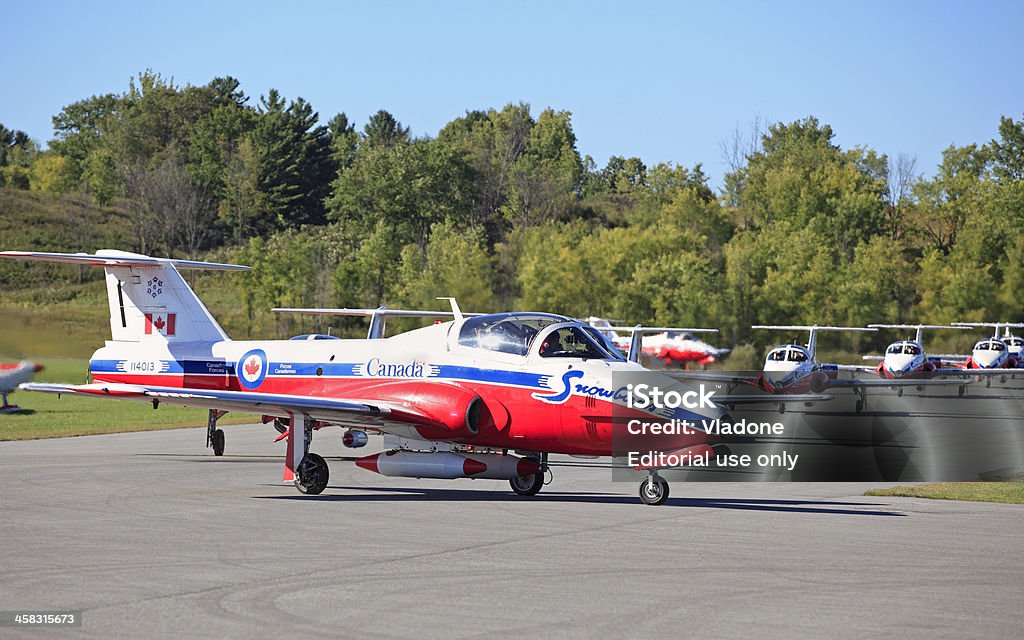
(37,368)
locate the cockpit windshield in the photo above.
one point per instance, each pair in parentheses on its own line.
(907,348)
(605,341)
(790,354)
(990,345)
(1014,341)
(505,332)
(572,342)
(679,335)
(795,355)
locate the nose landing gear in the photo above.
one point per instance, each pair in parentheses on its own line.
(653,490)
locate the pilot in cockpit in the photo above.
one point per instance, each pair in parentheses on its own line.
(552,345)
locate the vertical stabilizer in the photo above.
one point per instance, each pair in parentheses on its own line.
(148,298)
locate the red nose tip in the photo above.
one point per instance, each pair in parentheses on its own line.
(369,463)
(37,368)
(472,467)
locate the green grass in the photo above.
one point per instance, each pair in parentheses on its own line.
(1007,492)
(47,416)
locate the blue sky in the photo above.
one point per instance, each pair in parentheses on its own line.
(665,81)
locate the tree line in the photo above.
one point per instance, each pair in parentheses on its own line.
(500,210)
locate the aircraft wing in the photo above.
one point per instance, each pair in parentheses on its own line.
(859,368)
(362,413)
(766,398)
(857,383)
(710,376)
(967,373)
(278,405)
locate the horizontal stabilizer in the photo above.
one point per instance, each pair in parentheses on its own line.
(804,327)
(914,326)
(642,329)
(382,312)
(111,258)
(763,398)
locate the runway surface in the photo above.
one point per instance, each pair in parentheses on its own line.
(152,536)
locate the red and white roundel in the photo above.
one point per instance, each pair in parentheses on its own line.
(252,369)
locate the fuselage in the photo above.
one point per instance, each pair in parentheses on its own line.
(991,353)
(790,368)
(548,384)
(905,359)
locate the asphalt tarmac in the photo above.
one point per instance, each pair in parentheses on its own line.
(150,535)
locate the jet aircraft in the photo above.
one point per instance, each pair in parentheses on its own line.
(13,374)
(671,345)
(456,399)
(794,368)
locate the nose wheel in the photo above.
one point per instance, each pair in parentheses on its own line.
(215,436)
(653,490)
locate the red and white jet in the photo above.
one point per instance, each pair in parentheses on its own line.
(794,369)
(673,346)
(452,399)
(13,374)
(997,352)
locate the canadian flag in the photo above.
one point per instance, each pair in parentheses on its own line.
(162,323)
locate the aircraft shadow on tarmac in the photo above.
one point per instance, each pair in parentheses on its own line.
(396,495)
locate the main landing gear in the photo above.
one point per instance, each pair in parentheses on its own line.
(311,474)
(531,485)
(862,402)
(653,490)
(215,436)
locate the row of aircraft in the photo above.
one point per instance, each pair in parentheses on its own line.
(470,396)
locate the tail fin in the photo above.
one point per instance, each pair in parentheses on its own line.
(149,300)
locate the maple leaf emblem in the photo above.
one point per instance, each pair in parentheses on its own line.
(159,323)
(252,366)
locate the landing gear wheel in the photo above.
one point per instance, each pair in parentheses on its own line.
(653,491)
(527,485)
(899,393)
(962,390)
(312,474)
(217,440)
(859,406)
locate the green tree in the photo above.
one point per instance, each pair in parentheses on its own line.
(294,159)
(384,131)
(456,263)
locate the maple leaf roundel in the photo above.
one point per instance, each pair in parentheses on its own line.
(251,368)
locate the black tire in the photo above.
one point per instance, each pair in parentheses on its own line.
(653,491)
(312,475)
(962,390)
(217,440)
(527,485)
(899,392)
(860,406)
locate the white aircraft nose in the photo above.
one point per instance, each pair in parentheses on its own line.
(898,364)
(985,358)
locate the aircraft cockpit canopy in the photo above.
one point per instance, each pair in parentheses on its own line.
(679,335)
(505,332)
(573,342)
(791,353)
(990,345)
(1014,341)
(908,348)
